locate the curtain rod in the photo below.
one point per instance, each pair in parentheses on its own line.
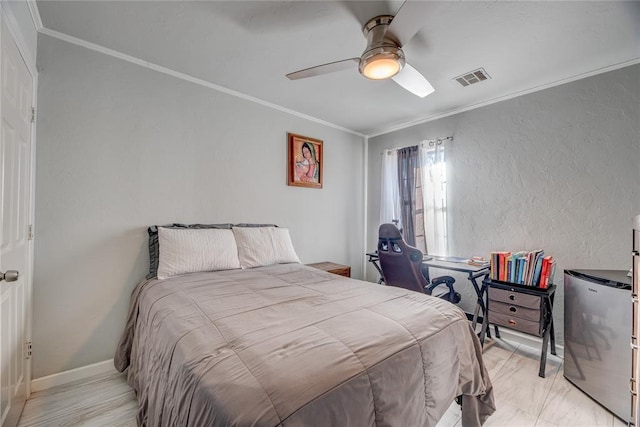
(437,141)
(430,142)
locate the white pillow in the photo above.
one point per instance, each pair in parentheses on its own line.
(258,246)
(193,250)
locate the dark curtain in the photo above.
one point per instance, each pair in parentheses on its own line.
(407,165)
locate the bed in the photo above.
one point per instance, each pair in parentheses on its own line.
(290,345)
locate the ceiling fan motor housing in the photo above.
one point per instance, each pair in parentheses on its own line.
(379,45)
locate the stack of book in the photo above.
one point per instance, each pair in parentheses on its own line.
(478,261)
(523,268)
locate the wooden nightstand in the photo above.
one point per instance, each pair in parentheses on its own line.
(331,267)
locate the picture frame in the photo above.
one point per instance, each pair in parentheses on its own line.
(305,161)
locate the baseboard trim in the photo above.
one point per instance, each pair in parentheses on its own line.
(65,377)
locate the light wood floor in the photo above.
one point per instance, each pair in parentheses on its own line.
(523,399)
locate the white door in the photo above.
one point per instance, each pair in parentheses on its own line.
(15,154)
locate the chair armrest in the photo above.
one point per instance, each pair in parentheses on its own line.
(447,280)
(452,296)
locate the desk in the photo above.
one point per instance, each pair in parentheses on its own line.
(473,274)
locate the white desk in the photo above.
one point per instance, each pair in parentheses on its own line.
(473,274)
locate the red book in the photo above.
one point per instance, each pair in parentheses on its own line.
(498,265)
(504,272)
(546,271)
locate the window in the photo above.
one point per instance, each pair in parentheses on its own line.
(389,197)
(433,167)
(419,200)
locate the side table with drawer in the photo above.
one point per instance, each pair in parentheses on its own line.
(522,308)
(332,267)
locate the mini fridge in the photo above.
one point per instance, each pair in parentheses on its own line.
(597,330)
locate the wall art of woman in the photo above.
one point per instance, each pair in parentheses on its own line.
(307,166)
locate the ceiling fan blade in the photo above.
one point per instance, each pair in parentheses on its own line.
(409,19)
(410,79)
(323,69)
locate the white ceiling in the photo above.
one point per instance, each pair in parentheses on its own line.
(248,47)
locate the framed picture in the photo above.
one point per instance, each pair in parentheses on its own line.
(305,161)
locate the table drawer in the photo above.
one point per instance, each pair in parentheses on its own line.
(512,322)
(515,298)
(533,314)
(344,271)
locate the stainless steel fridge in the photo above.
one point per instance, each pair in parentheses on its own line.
(635,354)
(597,327)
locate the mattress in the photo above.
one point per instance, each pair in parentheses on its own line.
(290,345)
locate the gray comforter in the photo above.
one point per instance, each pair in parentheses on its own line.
(289,345)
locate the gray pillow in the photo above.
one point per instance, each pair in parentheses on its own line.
(154,247)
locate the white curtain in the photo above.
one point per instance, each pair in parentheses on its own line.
(390,193)
(433,168)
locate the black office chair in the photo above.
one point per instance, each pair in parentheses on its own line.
(402,266)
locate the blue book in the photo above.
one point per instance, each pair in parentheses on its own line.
(538,270)
(519,271)
(523,270)
(514,265)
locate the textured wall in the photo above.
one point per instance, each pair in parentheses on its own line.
(121,147)
(558,169)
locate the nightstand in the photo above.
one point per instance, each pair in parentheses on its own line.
(331,267)
(525,309)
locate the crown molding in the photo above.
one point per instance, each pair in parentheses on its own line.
(370,134)
(581,76)
(35,14)
(183,76)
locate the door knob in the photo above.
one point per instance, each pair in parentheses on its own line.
(9,276)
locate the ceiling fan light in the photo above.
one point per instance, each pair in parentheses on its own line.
(381,64)
(382,68)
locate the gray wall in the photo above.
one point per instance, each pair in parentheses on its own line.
(558,169)
(121,147)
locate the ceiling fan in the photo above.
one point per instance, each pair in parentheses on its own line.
(383,57)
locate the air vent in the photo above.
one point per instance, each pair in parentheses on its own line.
(472,77)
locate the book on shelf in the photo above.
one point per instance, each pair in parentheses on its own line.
(533,257)
(522,268)
(537,271)
(516,265)
(497,265)
(548,268)
(528,268)
(503,265)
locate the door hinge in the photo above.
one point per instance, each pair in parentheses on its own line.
(27,350)
(33,115)
(30,232)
